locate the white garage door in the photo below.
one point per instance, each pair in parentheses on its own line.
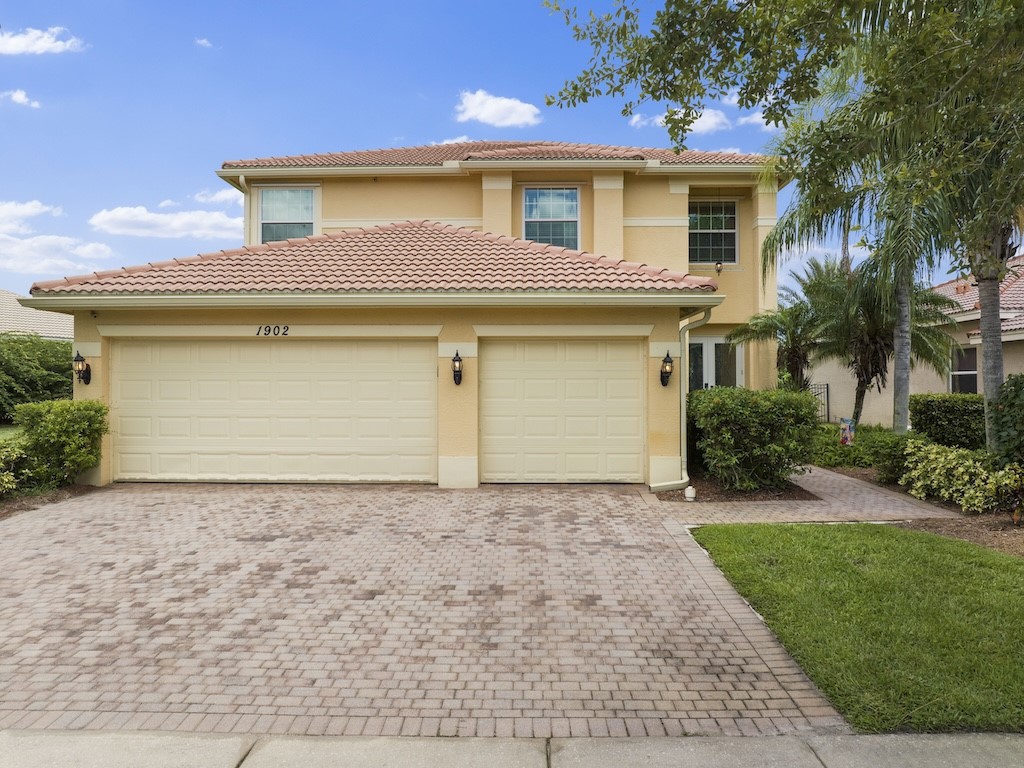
(561,411)
(274,410)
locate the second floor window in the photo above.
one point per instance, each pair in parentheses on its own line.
(285,213)
(712,232)
(552,215)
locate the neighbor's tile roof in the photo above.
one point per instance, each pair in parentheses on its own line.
(49,325)
(408,257)
(964,292)
(438,154)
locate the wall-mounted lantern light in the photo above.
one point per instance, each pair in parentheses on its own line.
(81,368)
(666,369)
(457,368)
(718,267)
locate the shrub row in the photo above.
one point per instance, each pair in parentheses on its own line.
(970,479)
(956,420)
(59,440)
(751,439)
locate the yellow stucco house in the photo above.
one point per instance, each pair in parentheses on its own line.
(453,314)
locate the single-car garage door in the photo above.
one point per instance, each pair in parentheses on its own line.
(561,411)
(274,410)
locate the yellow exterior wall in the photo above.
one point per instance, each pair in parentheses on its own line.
(458,406)
(382,199)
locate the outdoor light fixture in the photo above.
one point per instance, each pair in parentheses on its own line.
(81,368)
(666,369)
(718,267)
(457,368)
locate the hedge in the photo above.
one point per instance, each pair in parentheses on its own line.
(956,420)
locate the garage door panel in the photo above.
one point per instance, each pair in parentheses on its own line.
(562,411)
(312,413)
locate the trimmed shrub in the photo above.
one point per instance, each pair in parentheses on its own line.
(753,439)
(956,420)
(12,465)
(60,438)
(969,479)
(890,456)
(1008,420)
(32,369)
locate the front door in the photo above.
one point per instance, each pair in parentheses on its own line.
(714,363)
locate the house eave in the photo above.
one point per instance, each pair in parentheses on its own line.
(358,299)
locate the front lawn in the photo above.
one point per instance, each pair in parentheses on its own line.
(902,630)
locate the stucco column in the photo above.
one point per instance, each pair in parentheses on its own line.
(608,221)
(762,356)
(457,417)
(497,203)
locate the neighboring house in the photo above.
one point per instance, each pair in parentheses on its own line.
(558,275)
(14,318)
(966,362)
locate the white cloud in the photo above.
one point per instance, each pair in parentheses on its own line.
(757,119)
(710,121)
(457,140)
(138,221)
(36,41)
(226,196)
(731,99)
(168,204)
(499,111)
(51,254)
(202,42)
(20,97)
(639,120)
(13,215)
(730,150)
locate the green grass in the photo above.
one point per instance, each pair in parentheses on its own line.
(7,432)
(903,631)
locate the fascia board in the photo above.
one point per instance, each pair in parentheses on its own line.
(257,174)
(66,302)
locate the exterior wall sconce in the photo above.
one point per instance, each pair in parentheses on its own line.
(666,369)
(718,267)
(81,368)
(457,368)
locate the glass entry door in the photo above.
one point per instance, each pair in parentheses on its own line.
(714,363)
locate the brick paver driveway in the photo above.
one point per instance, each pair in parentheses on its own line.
(526,611)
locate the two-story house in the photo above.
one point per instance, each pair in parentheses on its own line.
(451,314)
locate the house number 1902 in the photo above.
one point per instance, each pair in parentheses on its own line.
(272,330)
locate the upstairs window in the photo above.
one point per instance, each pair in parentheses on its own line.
(552,215)
(712,232)
(285,213)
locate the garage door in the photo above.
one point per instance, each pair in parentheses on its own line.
(274,410)
(561,411)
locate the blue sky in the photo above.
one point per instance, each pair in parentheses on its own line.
(115,114)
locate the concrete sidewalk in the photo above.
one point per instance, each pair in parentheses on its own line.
(50,749)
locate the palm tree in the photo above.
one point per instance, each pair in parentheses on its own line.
(792,327)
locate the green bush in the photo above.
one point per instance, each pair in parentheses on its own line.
(12,464)
(871,447)
(1008,420)
(32,369)
(890,456)
(956,420)
(753,439)
(60,438)
(969,479)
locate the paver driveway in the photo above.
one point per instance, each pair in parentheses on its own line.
(526,611)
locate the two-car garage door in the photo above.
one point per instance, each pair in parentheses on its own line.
(275,410)
(305,410)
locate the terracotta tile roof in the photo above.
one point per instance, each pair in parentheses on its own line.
(1011,290)
(438,154)
(402,258)
(19,319)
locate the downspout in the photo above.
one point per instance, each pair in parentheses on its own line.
(684,477)
(684,330)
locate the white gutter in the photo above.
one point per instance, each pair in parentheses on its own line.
(72,301)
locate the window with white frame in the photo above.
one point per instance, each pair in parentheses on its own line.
(712,232)
(964,376)
(552,215)
(285,212)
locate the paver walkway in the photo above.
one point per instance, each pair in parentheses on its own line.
(386,610)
